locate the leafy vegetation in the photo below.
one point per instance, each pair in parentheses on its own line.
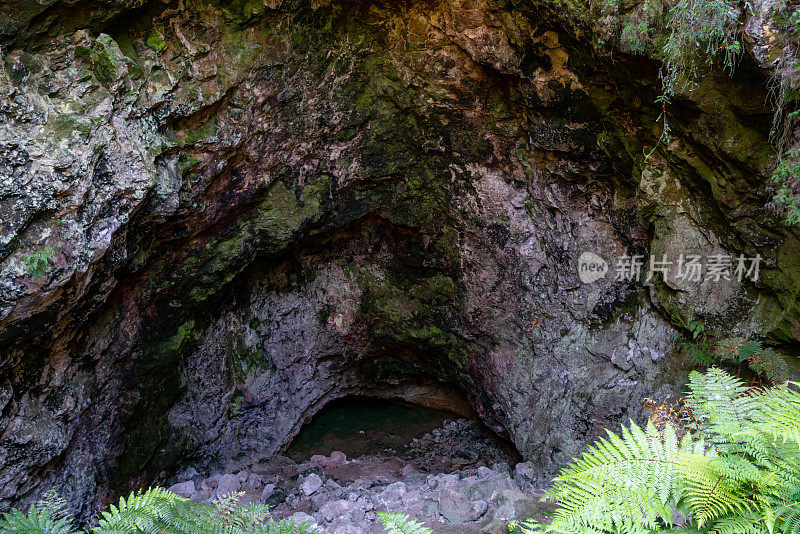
(37,263)
(688,36)
(395,523)
(155,511)
(786,88)
(692,36)
(786,179)
(762,361)
(737,473)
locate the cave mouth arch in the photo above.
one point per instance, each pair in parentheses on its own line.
(434,435)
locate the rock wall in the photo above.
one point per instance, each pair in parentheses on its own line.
(217,216)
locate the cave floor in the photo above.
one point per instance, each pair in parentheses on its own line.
(454,479)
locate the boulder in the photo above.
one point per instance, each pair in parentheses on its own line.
(338,457)
(184,489)
(227,484)
(311,484)
(514,504)
(335,509)
(300,518)
(455,507)
(268,491)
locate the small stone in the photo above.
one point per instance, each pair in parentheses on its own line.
(414,478)
(332,485)
(318,460)
(514,504)
(393,495)
(227,484)
(300,518)
(311,484)
(335,509)
(479,509)
(430,507)
(502,468)
(338,457)
(412,502)
(408,468)
(484,488)
(184,489)
(253,482)
(447,481)
(202,496)
(188,474)
(269,490)
(525,471)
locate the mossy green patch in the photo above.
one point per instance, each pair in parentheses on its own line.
(65,124)
(201,133)
(156,39)
(109,64)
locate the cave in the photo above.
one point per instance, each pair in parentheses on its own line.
(224,219)
(359,426)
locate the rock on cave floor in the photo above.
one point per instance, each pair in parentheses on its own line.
(455,479)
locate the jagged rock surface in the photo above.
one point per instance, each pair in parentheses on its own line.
(218,216)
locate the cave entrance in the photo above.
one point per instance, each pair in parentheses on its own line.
(435,440)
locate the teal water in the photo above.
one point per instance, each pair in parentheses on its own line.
(359,426)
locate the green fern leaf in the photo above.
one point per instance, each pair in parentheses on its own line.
(396,523)
(38,520)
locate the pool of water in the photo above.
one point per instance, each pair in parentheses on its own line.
(359,426)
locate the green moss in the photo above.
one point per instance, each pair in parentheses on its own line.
(83,51)
(439,288)
(67,123)
(38,262)
(411,312)
(156,39)
(201,133)
(271,227)
(149,445)
(107,59)
(235,405)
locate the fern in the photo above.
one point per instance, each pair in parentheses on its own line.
(38,520)
(141,512)
(623,482)
(739,473)
(155,511)
(396,523)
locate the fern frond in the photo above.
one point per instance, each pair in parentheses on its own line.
(780,409)
(38,520)
(720,402)
(710,495)
(622,482)
(752,524)
(397,523)
(140,513)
